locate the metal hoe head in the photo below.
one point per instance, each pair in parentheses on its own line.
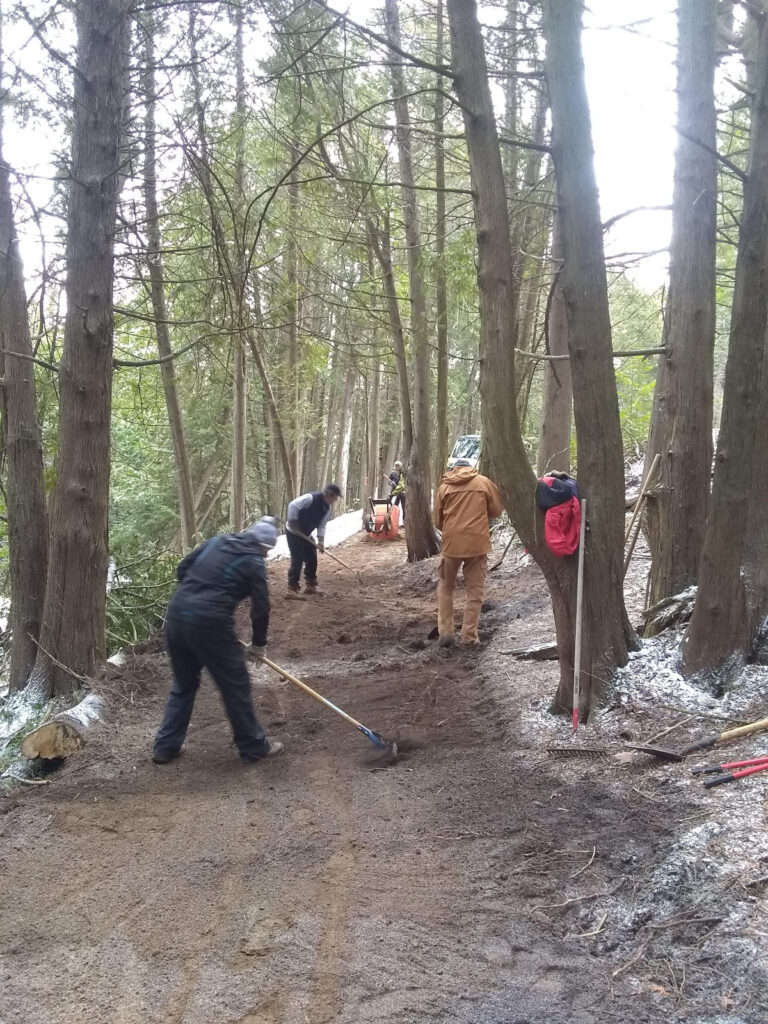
(388,747)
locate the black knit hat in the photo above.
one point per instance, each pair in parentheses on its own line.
(332,489)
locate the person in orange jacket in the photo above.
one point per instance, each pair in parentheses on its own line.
(465,504)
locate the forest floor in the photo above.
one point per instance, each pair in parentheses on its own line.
(478,880)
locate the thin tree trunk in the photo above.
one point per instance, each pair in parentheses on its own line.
(374,457)
(421,538)
(273,494)
(555,436)
(720,636)
(157,289)
(681,428)
(441,289)
(381,244)
(239,376)
(292,316)
(75,600)
(25,491)
(345,437)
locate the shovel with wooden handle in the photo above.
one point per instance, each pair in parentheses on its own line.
(334,557)
(723,737)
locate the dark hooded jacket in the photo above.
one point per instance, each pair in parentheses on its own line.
(216,577)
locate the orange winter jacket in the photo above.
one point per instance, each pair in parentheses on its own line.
(465,503)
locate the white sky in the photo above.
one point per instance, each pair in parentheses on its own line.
(629,56)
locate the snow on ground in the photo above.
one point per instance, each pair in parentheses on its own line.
(339,529)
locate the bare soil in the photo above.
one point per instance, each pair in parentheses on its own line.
(477,880)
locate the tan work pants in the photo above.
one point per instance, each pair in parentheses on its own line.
(475,571)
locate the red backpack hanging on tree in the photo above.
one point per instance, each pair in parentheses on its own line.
(558,494)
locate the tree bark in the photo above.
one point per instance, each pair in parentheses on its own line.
(25,488)
(721,633)
(420,533)
(157,290)
(75,600)
(606,626)
(555,436)
(441,288)
(681,428)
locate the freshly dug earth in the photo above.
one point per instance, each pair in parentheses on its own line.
(475,881)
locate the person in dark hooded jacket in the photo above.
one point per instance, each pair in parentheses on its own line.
(200,631)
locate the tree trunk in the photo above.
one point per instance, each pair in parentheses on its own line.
(239,376)
(720,636)
(381,244)
(681,428)
(441,289)
(25,489)
(345,438)
(292,316)
(157,289)
(420,533)
(607,631)
(75,600)
(499,297)
(374,457)
(555,436)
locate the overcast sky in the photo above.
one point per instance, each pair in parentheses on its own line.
(629,55)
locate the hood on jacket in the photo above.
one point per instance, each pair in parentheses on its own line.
(459,475)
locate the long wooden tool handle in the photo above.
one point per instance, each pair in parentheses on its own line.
(723,737)
(312,693)
(745,730)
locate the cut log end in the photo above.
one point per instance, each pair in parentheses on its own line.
(67,732)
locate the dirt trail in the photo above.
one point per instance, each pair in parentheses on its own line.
(320,887)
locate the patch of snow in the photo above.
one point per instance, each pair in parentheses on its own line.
(15,712)
(338,530)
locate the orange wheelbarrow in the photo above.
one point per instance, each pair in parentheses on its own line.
(382,520)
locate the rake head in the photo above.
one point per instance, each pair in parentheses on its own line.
(384,746)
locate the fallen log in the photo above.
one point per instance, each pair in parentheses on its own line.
(66,732)
(537,652)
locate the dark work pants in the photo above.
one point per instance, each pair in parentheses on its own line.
(302,554)
(193,646)
(400,500)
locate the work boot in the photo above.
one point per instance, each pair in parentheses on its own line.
(166,756)
(274,747)
(311,588)
(446,641)
(294,592)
